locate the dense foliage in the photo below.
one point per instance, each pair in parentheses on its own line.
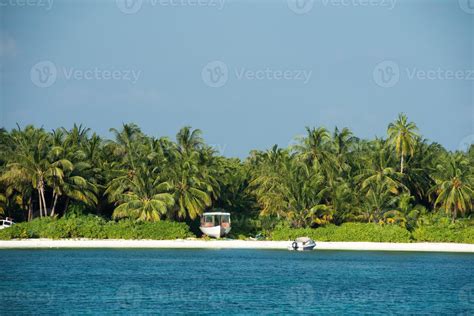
(96,228)
(346,232)
(324,179)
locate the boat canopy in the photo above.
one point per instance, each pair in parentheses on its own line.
(215,213)
(215,219)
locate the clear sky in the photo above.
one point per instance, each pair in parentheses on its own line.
(249,74)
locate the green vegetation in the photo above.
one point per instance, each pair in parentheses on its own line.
(332,186)
(96,228)
(437,228)
(346,232)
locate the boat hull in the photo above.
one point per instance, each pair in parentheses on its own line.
(302,247)
(215,231)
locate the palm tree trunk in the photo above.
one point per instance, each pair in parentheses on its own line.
(44,202)
(40,203)
(67,204)
(401,164)
(30,209)
(455,212)
(54,204)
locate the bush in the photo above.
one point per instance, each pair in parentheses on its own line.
(346,232)
(440,229)
(95,227)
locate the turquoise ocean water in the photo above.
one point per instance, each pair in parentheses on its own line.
(138,281)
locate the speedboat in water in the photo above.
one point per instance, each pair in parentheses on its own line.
(302,244)
(5,223)
(215,224)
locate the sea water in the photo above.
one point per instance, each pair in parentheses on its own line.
(144,281)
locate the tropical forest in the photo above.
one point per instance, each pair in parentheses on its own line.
(329,185)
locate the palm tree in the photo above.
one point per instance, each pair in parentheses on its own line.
(268,170)
(403,135)
(29,161)
(141,196)
(286,187)
(379,181)
(189,140)
(128,143)
(313,147)
(343,141)
(455,193)
(192,188)
(191,172)
(3,203)
(70,151)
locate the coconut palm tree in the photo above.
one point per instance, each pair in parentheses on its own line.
(29,161)
(191,172)
(453,186)
(191,187)
(403,135)
(3,204)
(189,140)
(313,148)
(379,181)
(288,188)
(268,170)
(141,196)
(378,170)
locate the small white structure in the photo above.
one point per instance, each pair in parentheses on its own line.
(215,224)
(5,223)
(302,244)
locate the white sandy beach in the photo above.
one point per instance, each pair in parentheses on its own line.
(229,244)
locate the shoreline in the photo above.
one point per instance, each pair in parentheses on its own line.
(228,244)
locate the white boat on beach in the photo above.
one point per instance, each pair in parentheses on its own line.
(302,244)
(5,223)
(215,224)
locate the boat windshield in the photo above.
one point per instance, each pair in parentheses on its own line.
(207,220)
(215,220)
(225,219)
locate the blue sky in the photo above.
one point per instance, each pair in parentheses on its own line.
(249,74)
